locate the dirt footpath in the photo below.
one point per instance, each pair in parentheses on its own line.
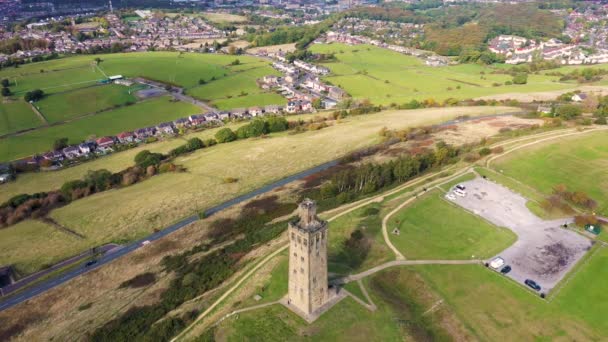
(544,252)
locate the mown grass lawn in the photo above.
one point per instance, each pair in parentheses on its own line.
(497,309)
(67,105)
(579,162)
(17,115)
(343,322)
(385,76)
(112,122)
(433,228)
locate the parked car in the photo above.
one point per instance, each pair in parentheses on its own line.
(461,187)
(505,269)
(450,197)
(531,283)
(497,263)
(460,192)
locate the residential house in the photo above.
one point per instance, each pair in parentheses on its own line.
(181,122)
(293,107)
(53,156)
(272,109)
(239,113)
(580,97)
(211,116)
(336,93)
(144,133)
(72,152)
(306,106)
(125,137)
(105,143)
(223,115)
(255,111)
(165,128)
(197,119)
(86,147)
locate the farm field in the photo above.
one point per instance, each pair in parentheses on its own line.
(17,115)
(169,197)
(578,162)
(112,122)
(217,17)
(66,105)
(69,84)
(385,76)
(433,228)
(51,244)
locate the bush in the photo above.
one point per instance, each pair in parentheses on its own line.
(6,91)
(228,180)
(521,78)
(225,135)
(485,151)
(60,143)
(568,111)
(601,120)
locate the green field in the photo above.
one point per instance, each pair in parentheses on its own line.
(433,228)
(343,259)
(579,162)
(142,114)
(470,303)
(385,76)
(17,115)
(496,309)
(70,86)
(402,300)
(90,100)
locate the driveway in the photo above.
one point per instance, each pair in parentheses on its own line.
(544,251)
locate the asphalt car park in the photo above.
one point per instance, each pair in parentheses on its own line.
(544,251)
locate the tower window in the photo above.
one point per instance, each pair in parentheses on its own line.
(302,270)
(302,259)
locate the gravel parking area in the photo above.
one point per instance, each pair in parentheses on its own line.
(150,93)
(544,252)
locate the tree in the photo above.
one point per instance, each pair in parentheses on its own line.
(60,143)
(146,158)
(201,81)
(317,103)
(33,95)
(6,91)
(235,62)
(225,135)
(5,83)
(99,180)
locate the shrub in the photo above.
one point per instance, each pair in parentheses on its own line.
(521,78)
(6,91)
(146,158)
(568,111)
(225,135)
(228,180)
(485,151)
(601,120)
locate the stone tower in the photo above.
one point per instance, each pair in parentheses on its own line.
(308,290)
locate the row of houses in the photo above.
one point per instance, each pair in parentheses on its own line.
(107,144)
